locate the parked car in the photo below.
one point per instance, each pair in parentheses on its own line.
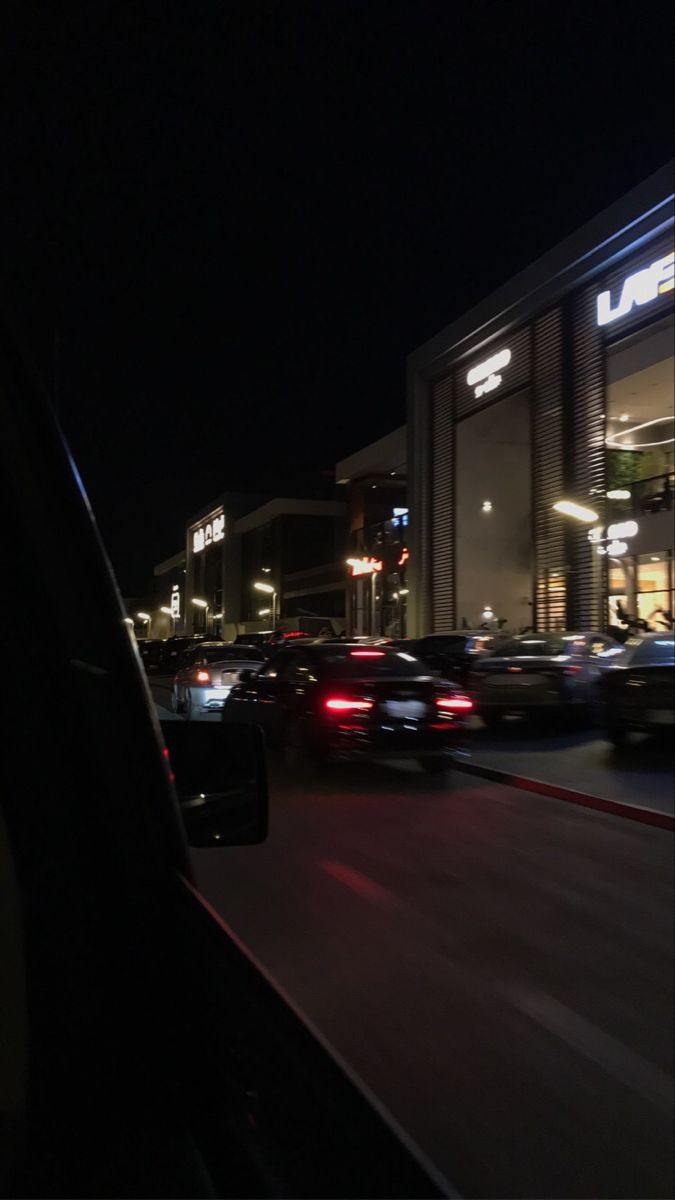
(152,651)
(329,700)
(144,1052)
(538,672)
(174,647)
(207,673)
(636,690)
(454,654)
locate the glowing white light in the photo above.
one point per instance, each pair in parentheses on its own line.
(638,289)
(570,509)
(201,603)
(613,439)
(400,512)
(491,365)
(264,587)
(143,616)
(175,600)
(617,548)
(623,418)
(264,612)
(212,531)
(486,506)
(618,494)
(365,566)
(166,610)
(623,529)
(403,591)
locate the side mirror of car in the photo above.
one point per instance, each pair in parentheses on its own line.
(221,780)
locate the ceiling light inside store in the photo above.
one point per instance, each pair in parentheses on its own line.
(618,494)
(614,442)
(623,418)
(655,558)
(486,506)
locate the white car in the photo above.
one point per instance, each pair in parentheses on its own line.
(207,673)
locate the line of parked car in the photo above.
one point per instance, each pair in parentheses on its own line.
(322,698)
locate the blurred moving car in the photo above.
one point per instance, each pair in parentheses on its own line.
(207,673)
(538,671)
(329,700)
(636,691)
(455,653)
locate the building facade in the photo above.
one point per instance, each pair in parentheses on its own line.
(376,551)
(557,389)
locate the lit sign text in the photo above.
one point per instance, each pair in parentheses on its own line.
(485,377)
(638,289)
(206,535)
(365,566)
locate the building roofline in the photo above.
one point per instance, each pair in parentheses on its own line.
(376,458)
(168,564)
(602,241)
(287,507)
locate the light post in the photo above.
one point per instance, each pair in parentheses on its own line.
(269,591)
(141,616)
(203,604)
(169,613)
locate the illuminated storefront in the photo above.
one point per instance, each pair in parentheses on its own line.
(558,388)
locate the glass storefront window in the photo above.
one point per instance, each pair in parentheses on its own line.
(640,431)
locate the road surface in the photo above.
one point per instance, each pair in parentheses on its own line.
(496,966)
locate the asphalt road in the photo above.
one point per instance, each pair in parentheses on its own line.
(497,967)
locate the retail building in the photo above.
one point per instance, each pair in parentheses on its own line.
(556,389)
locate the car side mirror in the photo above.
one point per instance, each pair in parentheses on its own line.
(221,780)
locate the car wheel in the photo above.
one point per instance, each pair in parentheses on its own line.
(492,720)
(617,736)
(434,766)
(187,707)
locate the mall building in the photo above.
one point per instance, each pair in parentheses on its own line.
(557,390)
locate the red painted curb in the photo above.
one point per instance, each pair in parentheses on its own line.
(630,812)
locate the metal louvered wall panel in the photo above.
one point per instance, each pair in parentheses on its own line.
(442,506)
(548,468)
(586,586)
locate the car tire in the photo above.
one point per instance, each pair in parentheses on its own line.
(176,704)
(187,706)
(434,766)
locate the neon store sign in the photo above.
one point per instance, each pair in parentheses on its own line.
(640,288)
(365,566)
(206,535)
(485,377)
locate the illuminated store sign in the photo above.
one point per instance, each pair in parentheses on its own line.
(206,535)
(364,566)
(485,377)
(640,288)
(175,600)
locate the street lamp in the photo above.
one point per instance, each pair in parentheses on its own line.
(269,591)
(141,616)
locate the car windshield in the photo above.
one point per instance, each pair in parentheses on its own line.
(355,662)
(539,647)
(234,653)
(652,650)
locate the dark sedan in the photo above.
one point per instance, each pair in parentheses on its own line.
(637,690)
(329,700)
(454,654)
(536,673)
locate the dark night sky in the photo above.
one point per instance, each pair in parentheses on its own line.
(240,217)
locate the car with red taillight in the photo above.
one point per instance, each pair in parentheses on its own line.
(345,700)
(636,692)
(207,673)
(539,672)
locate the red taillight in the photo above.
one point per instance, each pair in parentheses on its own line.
(338,704)
(571,670)
(366,653)
(203,677)
(454,703)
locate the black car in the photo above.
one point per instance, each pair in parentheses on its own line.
(144,1053)
(636,691)
(347,700)
(175,646)
(152,652)
(455,653)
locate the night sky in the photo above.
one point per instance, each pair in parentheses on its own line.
(239,218)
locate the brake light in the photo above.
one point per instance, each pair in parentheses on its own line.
(338,704)
(454,703)
(203,677)
(366,653)
(571,670)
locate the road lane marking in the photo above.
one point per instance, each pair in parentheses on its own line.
(361,884)
(615,1059)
